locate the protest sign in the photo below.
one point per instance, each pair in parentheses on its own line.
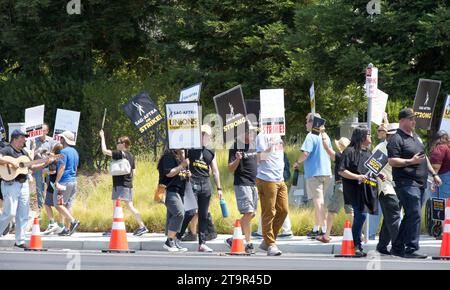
(371,81)
(34,120)
(231,109)
(376,162)
(253,111)
(317,125)
(143,113)
(379,101)
(312,98)
(2,130)
(183,125)
(445,123)
(66,120)
(272,112)
(425,101)
(191,94)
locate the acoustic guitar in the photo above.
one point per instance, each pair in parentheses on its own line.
(8,173)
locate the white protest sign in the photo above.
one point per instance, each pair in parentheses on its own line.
(272,112)
(371,81)
(312,99)
(34,120)
(66,121)
(445,123)
(379,101)
(191,94)
(183,125)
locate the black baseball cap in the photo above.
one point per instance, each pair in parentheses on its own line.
(17,133)
(406,113)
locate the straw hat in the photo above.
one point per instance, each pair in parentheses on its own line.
(342,143)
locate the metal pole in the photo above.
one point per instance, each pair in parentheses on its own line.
(369,126)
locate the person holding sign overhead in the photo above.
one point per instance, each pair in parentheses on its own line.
(410,165)
(123,184)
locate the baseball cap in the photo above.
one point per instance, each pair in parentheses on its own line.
(17,133)
(406,113)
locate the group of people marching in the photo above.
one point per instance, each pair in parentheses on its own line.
(258,163)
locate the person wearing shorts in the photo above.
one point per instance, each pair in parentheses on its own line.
(242,162)
(123,184)
(66,182)
(337,199)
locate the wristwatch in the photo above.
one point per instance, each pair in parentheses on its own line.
(434,174)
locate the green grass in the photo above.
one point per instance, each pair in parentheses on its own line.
(94,207)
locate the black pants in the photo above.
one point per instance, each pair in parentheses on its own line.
(390,205)
(202,190)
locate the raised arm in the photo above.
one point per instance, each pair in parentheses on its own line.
(104,149)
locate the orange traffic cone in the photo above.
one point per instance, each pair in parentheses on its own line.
(237,247)
(445,246)
(35,241)
(348,246)
(118,242)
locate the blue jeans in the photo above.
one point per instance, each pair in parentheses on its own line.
(358,222)
(374,222)
(411,199)
(39,179)
(16,202)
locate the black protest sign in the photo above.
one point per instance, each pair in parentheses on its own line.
(426,97)
(231,109)
(377,162)
(438,209)
(253,110)
(143,112)
(2,130)
(317,124)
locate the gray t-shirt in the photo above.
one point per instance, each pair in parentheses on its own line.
(271,164)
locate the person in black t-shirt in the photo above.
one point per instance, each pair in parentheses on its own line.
(202,161)
(16,192)
(123,184)
(410,167)
(173,174)
(358,184)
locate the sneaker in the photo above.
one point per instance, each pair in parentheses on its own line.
(204,248)
(140,231)
(263,246)
(414,255)
(21,246)
(64,233)
(313,234)
(189,237)
(107,233)
(51,229)
(397,254)
(286,235)
(249,249)
(59,230)
(170,246)
(178,245)
(256,235)
(359,252)
(383,251)
(273,251)
(73,226)
(229,242)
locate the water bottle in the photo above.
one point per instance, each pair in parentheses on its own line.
(295,177)
(223,207)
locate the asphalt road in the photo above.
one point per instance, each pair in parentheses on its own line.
(94,260)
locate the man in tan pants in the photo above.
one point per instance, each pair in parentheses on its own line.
(272,190)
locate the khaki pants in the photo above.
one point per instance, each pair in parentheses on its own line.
(274,208)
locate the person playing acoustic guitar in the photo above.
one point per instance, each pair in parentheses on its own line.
(16,192)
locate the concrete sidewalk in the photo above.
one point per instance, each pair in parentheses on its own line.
(154,242)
